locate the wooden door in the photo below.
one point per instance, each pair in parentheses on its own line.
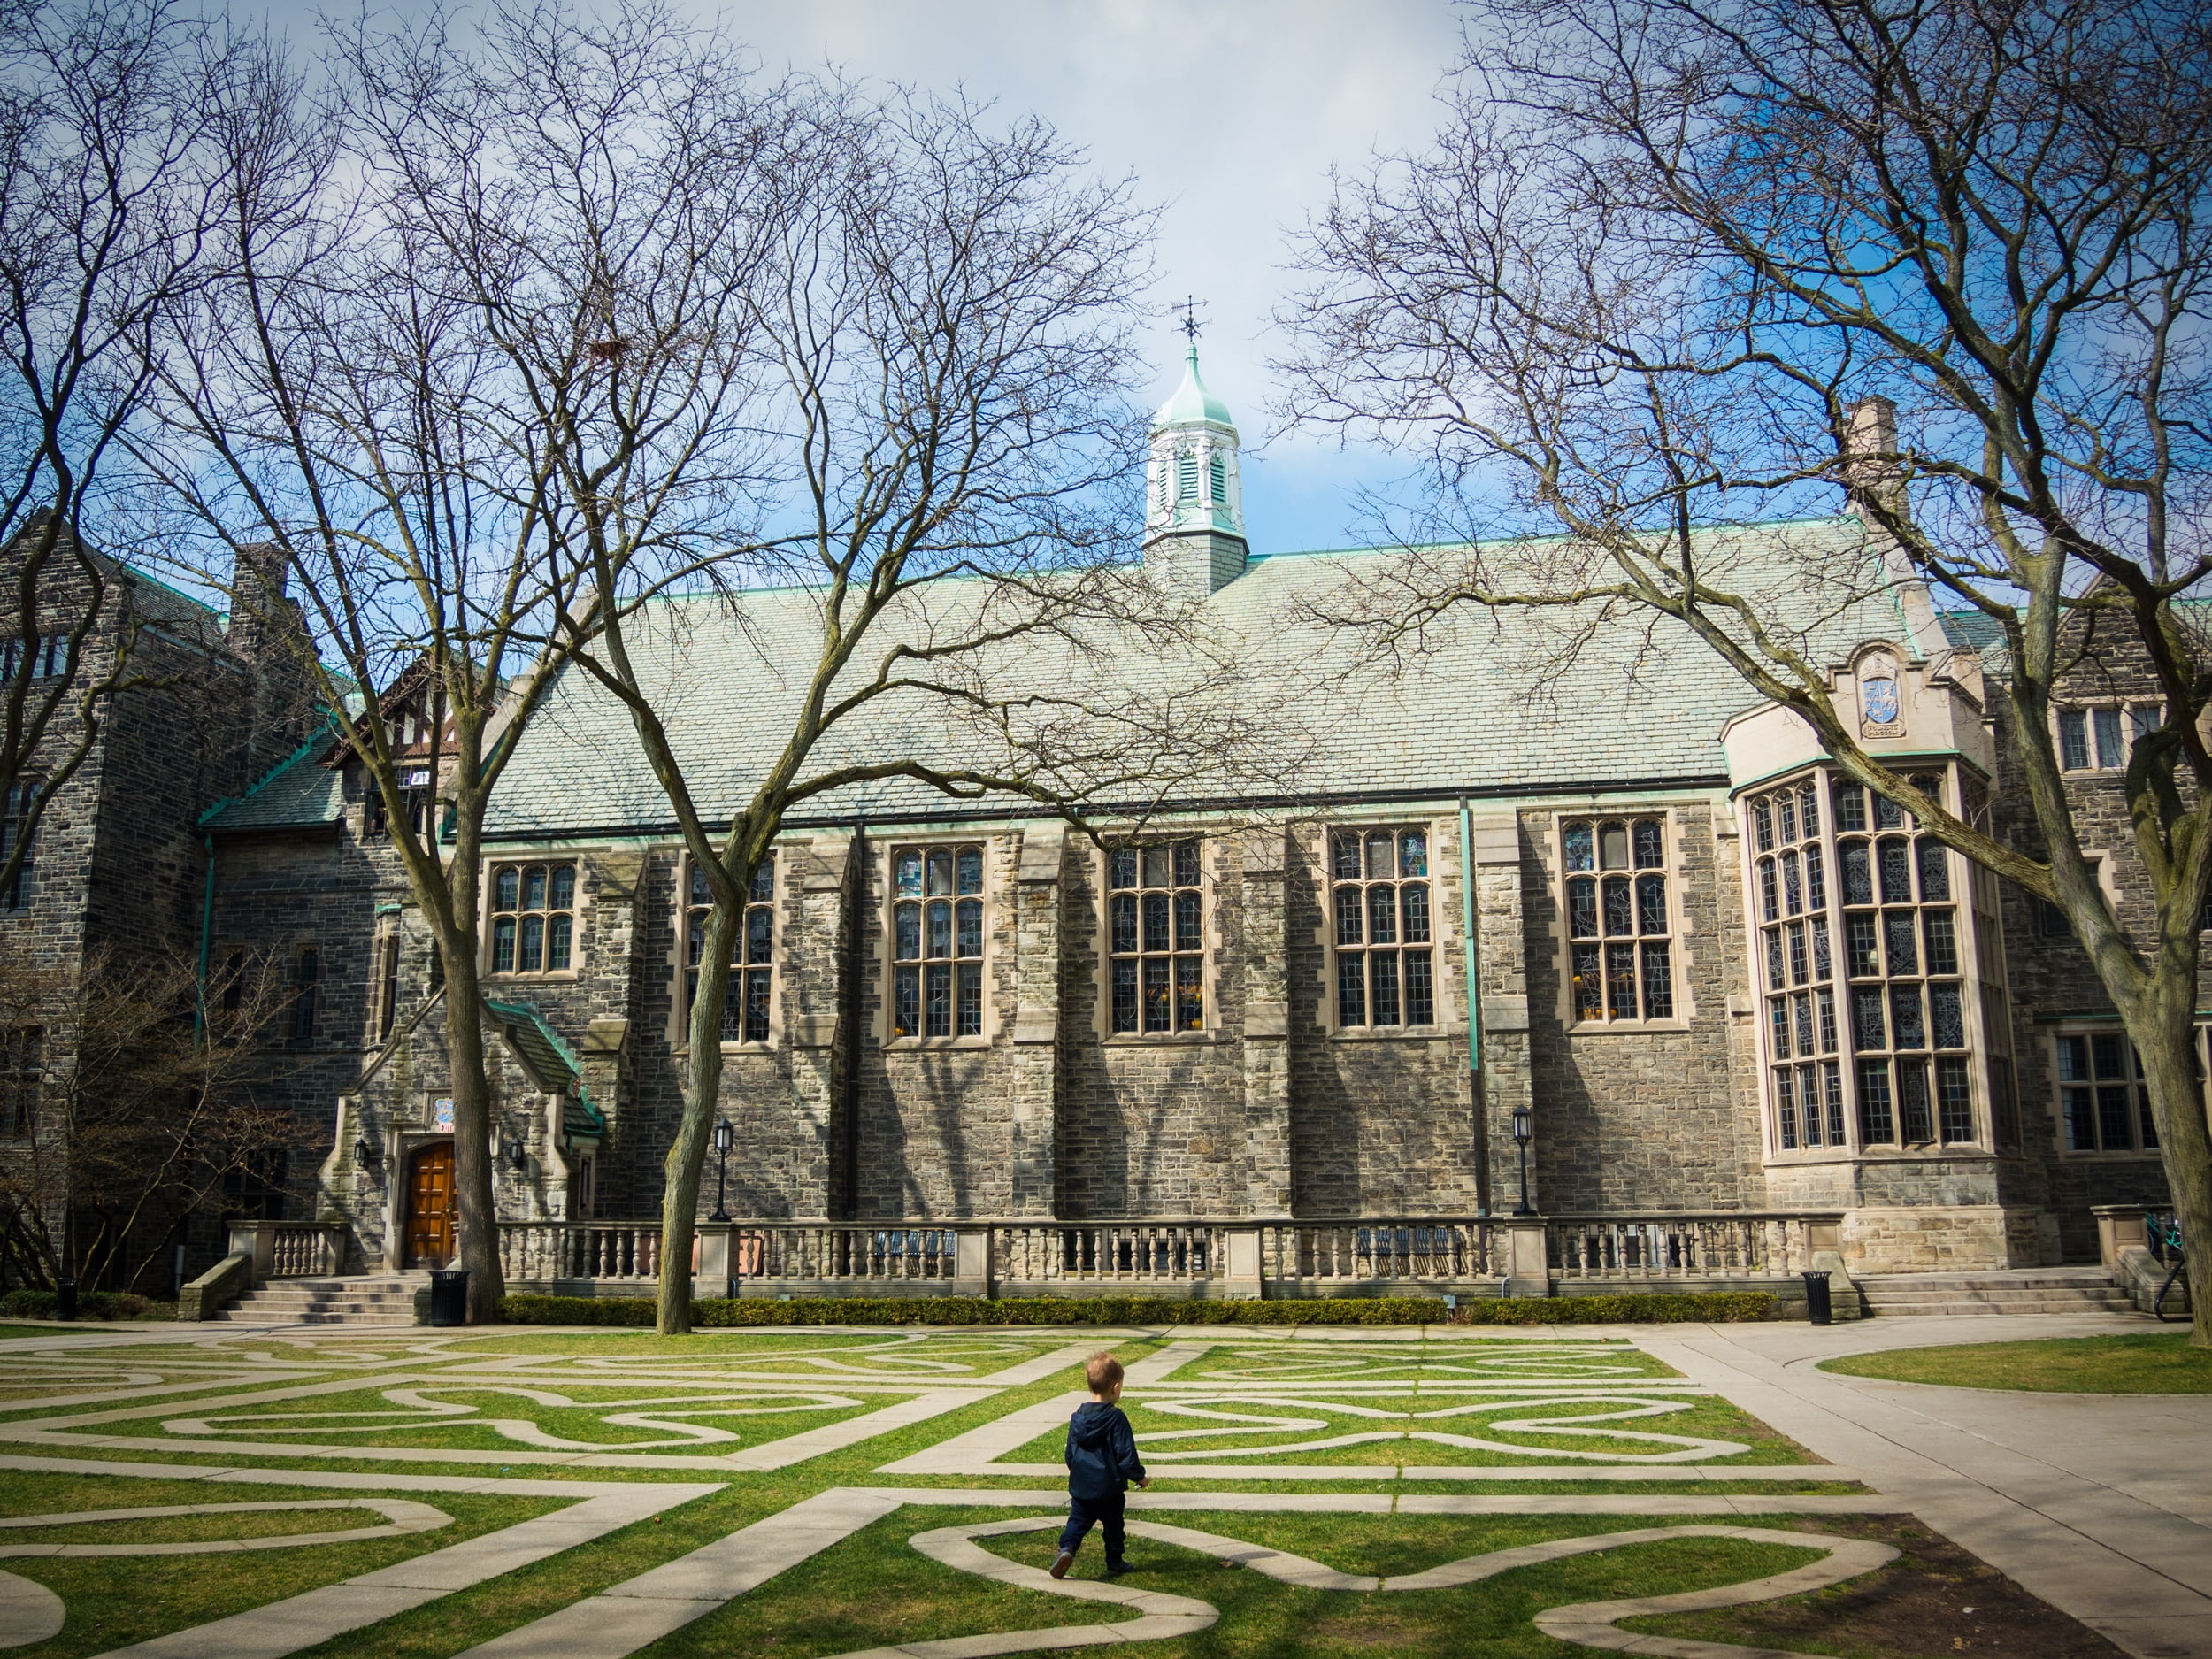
(430,1202)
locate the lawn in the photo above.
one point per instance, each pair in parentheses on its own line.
(2156,1363)
(113,1602)
(874,1587)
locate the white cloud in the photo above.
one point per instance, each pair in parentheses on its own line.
(1230,113)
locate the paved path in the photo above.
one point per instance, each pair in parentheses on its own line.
(2099,1504)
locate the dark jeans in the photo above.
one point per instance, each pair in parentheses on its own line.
(1106,1512)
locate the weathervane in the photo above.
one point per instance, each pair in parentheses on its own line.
(1190,324)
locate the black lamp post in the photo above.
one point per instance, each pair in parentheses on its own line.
(724,1137)
(364,1152)
(518,1154)
(1524,1132)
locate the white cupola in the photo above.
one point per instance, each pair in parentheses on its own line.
(1193,520)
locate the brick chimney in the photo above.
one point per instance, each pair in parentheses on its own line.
(268,631)
(1872,474)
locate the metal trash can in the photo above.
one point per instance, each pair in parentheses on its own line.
(1819,1310)
(450,1296)
(65,1299)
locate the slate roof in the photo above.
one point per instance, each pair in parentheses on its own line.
(298,792)
(1640,704)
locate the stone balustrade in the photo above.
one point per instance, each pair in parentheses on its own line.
(1185,1256)
(1719,1244)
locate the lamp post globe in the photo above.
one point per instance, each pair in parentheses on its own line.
(1524,1132)
(724,1137)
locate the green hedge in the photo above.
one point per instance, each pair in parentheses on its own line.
(1718,1307)
(91,1304)
(638,1311)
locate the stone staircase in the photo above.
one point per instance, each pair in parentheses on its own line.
(359,1299)
(2013,1290)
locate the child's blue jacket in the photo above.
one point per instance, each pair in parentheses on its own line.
(1102,1451)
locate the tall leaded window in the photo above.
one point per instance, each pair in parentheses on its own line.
(2104,1104)
(1862,928)
(1156,925)
(533,917)
(937,942)
(1796,967)
(22,1072)
(752,953)
(1908,1013)
(307,974)
(1380,905)
(1619,919)
(15,816)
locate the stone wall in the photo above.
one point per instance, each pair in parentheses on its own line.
(1635,1117)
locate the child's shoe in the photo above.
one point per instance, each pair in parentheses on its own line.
(1067,1559)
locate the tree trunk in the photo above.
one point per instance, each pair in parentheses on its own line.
(2163,1026)
(688,1157)
(478,1218)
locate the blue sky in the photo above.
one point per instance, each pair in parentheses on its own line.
(1228,112)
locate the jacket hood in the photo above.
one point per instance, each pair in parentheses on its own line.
(1091,1427)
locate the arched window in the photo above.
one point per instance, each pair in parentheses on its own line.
(307,973)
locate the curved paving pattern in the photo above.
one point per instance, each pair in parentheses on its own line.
(1593,1624)
(1212,1407)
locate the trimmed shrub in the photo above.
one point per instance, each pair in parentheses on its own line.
(1722,1307)
(91,1304)
(1717,1307)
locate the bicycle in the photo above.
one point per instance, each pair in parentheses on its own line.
(2166,1245)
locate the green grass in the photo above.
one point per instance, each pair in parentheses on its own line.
(1703,1418)
(2156,1363)
(7,1331)
(352,1418)
(177,1592)
(873,1588)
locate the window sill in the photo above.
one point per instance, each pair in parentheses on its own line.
(926,1045)
(682,1051)
(1394,1033)
(1623,1027)
(515,976)
(1150,1038)
(2133,1156)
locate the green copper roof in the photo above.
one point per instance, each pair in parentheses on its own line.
(1192,402)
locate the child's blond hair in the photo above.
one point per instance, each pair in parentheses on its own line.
(1101,1371)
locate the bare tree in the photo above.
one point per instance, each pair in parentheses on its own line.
(487,305)
(946,326)
(151,1119)
(110,185)
(1664,256)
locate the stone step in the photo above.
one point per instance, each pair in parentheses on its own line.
(2045,1280)
(237,1317)
(1971,1294)
(357,1299)
(1913,1309)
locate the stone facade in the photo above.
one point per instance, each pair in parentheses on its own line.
(1269,1105)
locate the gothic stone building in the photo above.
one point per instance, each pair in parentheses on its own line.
(1720,977)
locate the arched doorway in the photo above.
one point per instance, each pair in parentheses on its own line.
(430,1205)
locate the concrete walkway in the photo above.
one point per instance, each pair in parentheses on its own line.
(2099,1504)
